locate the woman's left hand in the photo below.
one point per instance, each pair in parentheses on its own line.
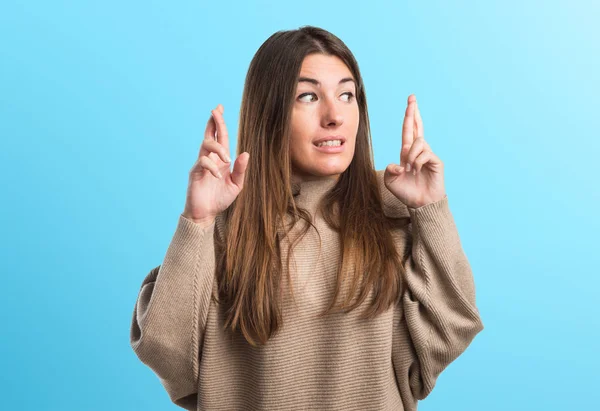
(420,179)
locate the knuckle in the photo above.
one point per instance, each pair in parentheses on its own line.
(205,161)
(218,118)
(195,168)
(211,145)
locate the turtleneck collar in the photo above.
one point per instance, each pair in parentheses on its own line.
(308,193)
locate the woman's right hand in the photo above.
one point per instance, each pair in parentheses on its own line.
(212,187)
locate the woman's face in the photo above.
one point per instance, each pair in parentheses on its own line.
(325,108)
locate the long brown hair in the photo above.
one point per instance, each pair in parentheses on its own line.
(249,270)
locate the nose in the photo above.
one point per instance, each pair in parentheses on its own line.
(332,114)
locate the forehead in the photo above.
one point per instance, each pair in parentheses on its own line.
(325,69)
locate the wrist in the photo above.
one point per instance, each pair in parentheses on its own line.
(204,222)
(418,205)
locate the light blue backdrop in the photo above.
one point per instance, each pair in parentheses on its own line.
(102,111)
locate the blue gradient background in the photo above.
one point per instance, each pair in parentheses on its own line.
(103,106)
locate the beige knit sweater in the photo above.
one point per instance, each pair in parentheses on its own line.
(335,363)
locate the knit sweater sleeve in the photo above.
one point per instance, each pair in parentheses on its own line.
(171,310)
(440,316)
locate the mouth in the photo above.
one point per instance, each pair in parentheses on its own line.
(330,146)
(330,141)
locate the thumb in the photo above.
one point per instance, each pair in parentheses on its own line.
(239,169)
(394,169)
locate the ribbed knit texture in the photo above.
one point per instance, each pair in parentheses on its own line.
(335,363)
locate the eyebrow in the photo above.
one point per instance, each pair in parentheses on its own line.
(316,82)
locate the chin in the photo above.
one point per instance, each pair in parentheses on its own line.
(320,167)
(330,171)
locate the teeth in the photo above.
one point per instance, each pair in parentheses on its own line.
(330,143)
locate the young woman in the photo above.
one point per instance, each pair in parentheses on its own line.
(302,278)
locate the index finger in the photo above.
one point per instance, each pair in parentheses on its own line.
(408,128)
(418,121)
(222,135)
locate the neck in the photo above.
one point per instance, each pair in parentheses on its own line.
(310,191)
(300,179)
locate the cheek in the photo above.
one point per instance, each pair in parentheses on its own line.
(297,146)
(296,128)
(356,116)
(301,132)
(298,141)
(353,123)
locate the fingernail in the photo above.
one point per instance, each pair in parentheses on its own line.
(408,167)
(228,158)
(220,175)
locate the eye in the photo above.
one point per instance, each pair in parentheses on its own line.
(349,94)
(306,94)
